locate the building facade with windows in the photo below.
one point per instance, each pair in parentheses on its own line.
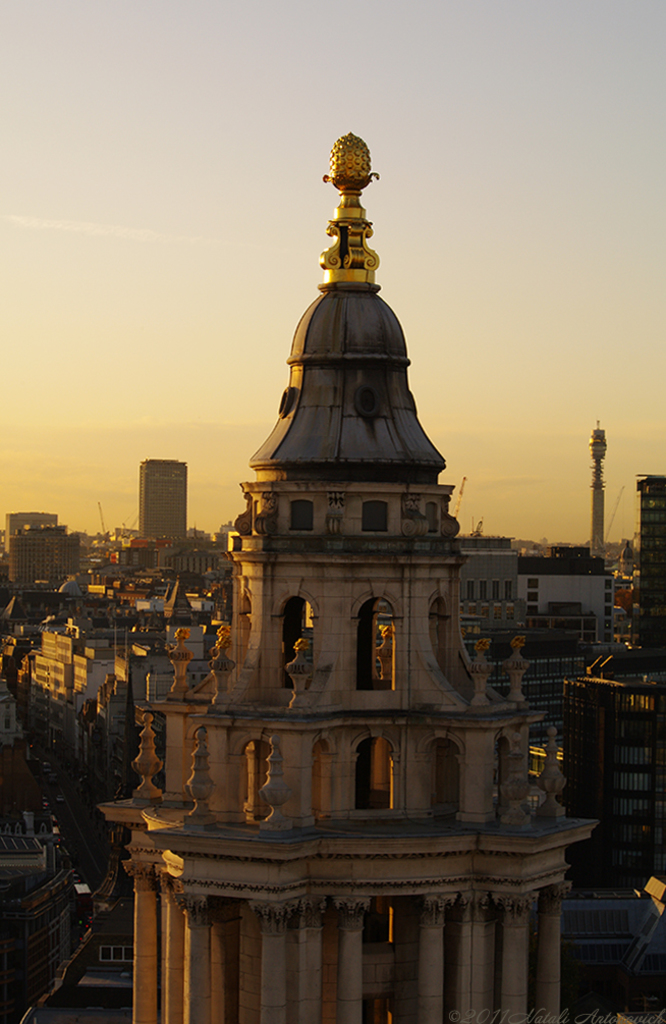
(568,589)
(649,583)
(44,553)
(489,585)
(162,498)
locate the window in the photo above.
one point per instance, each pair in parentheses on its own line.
(374,646)
(123,954)
(301,515)
(297,624)
(431,516)
(373,774)
(375,516)
(484,611)
(532,595)
(509,612)
(483,589)
(508,590)
(532,583)
(497,611)
(470,590)
(496,590)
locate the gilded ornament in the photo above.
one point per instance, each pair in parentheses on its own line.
(350,164)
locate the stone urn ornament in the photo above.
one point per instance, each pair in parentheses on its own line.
(220,665)
(551,781)
(275,791)
(480,669)
(180,656)
(300,672)
(199,786)
(516,667)
(147,763)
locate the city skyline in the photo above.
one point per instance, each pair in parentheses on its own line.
(154,271)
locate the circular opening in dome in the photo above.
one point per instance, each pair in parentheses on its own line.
(366,401)
(287,401)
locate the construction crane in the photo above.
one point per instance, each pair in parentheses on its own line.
(460,494)
(612,517)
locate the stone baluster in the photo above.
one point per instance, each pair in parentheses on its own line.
(275,791)
(199,786)
(551,781)
(516,667)
(351,911)
(548,949)
(196,984)
(273,919)
(221,666)
(145,942)
(147,763)
(515,948)
(180,656)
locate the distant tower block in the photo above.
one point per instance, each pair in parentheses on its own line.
(598,453)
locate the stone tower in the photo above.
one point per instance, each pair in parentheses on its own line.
(343,835)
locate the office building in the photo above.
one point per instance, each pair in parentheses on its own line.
(43,554)
(162,498)
(568,589)
(649,591)
(15,521)
(489,585)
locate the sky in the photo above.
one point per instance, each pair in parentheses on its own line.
(162,212)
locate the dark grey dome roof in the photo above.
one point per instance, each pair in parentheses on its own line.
(348,413)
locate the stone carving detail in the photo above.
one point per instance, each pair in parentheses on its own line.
(516,787)
(450,526)
(309,911)
(433,909)
(299,671)
(266,522)
(351,911)
(551,781)
(196,908)
(147,763)
(275,790)
(551,896)
(199,786)
(243,522)
(516,667)
(336,508)
(272,917)
(143,875)
(384,652)
(180,656)
(414,523)
(516,908)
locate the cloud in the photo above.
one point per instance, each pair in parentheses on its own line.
(108,230)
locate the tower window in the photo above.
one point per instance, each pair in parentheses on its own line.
(373,774)
(375,516)
(374,646)
(297,624)
(431,516)
(301,515)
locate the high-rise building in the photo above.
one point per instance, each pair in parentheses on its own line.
(162,498)
(15,521)
(598,453)
(649,590)
(345,784)
(45,553)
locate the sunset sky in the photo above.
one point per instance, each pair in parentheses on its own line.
(162,213)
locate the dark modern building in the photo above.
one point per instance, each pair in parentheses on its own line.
(162,498)
(649,612)
(615,763)
(46,553)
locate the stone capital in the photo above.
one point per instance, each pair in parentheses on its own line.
(351,910)
(516,908)
(433,909)
(272,917)
(308,911)
(196,909)
(551,896)
(143,875)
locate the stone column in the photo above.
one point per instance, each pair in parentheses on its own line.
(145,942)
(548,949)
(196,983)
(273,919)
(515,948)
(350,958)
(174,953)
(431,959)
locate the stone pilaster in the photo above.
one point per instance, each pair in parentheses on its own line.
(515,948)
(145,942)
(273,919)
(306,923)
(351,911)
(174,955)
(548,948)
(196,985)
(431,958)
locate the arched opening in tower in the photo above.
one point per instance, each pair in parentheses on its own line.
(297,624)
(445,778)
(375,646)
(374,775)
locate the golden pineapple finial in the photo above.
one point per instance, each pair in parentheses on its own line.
(349,260)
